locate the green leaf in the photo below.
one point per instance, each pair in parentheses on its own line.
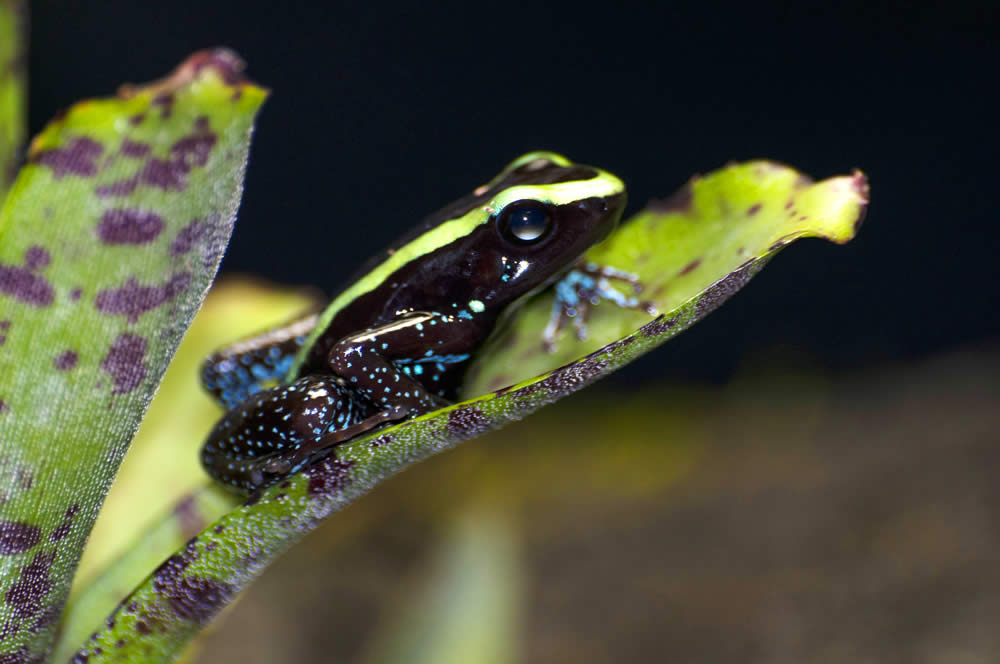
(13,33)
(109,239)
(693,252)
(124,546)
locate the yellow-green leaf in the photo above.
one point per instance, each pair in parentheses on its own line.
(109,238)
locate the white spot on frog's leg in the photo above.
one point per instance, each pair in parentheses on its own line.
(477,306)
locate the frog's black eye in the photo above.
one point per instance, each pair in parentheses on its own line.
(524,222)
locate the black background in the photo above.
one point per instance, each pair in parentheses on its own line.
(382,112)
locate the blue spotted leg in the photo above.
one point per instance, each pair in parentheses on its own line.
(275,431)
(392,363)
(234,373)
(583,288)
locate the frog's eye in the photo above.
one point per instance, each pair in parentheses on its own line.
(524,222)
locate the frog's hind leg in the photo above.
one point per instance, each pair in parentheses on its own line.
(233,373)
(272,432)
(314,449)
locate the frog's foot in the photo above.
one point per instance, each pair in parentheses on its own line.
(583,288)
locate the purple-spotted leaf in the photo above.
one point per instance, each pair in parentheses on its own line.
(692,251)
(109,238)
(123,547)
(13,23)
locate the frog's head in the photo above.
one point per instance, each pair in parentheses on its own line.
(509,237)
(542,213)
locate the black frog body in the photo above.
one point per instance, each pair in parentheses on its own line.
(397,341)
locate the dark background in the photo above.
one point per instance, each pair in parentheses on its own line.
(382,112)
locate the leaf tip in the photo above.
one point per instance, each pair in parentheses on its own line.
(862,192)
(224,63)
(679,201)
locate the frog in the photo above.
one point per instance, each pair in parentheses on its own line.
(396,342)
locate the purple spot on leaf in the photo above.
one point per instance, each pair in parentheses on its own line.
(75,294)
(60,531)
(135,149)
(193,150)
(123,226)
(65,360)
(37,258)
(134,299)
(79,157)
(16,537)
(658,326)
(162,174)
(124,362)
(165,100)
(20,283)
(195,598)
(187,237)
(192,598)
(467,422)
(754,209)
(25,596)
(328,476)
(690,267)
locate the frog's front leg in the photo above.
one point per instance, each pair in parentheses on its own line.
(392,365)
(233,373)
(583,288)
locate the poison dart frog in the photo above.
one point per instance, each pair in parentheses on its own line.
(396,342)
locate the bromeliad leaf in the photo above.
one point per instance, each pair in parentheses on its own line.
(13,15)
(123,548)
(693,251)
(109,239)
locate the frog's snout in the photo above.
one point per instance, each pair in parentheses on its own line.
(608,209)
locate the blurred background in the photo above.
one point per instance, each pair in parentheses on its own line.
(808,474)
